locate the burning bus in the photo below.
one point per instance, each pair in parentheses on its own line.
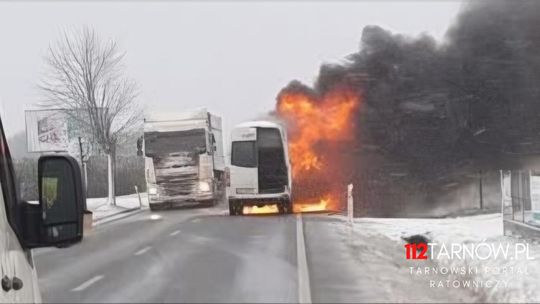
(184,159)
(260,171)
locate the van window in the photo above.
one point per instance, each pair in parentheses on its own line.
(269,138)
(244,154)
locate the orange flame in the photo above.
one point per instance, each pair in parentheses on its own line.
(311,207)
(316,124)
(266,209)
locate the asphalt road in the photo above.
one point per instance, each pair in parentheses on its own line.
(197,255)
(204,255)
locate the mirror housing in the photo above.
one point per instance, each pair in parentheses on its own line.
(58,218)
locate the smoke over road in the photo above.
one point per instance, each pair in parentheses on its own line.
(429,118)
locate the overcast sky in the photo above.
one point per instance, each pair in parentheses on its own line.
(231,57)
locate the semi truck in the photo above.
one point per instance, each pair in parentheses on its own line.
(184,159)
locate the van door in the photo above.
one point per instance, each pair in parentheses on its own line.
(6,296)
(17,265)
(244,171)
(273,172)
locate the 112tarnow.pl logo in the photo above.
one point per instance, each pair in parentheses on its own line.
(477,251)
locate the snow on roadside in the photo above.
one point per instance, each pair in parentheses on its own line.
(521,275)
(101,208)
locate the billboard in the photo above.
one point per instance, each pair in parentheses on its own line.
(53,130)
(47,131)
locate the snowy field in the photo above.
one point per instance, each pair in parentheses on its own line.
(517,278)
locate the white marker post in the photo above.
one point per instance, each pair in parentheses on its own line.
(139,195)
(350,204)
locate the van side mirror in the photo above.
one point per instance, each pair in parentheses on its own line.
(58,218)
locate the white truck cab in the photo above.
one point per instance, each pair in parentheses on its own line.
(55,221)
(260,170)
(184,159)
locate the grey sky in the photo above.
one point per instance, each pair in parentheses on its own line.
(232,57)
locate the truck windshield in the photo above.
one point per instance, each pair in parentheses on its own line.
(244,154)
(164,143)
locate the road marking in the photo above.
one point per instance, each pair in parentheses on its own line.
(195,220)
(88,283)
(174,233)
(304,290)
(142,251)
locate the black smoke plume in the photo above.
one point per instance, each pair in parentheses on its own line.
(437,117)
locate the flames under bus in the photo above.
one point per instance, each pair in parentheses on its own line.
(260,171)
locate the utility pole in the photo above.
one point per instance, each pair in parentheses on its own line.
(481,191)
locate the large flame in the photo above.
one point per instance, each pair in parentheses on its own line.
(318,126)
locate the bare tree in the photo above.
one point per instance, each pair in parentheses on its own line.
(85,78)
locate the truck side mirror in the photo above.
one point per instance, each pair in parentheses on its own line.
(58,219)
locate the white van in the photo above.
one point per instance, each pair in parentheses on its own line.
(55,221)
(260,170)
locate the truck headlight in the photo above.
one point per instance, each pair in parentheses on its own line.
(204,186)
(152,191)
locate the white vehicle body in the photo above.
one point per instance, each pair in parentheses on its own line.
(184,158)
(16,262)
(54,221)
(260,170)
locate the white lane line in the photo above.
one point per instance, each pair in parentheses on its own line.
(88,283)
(195,220)
(174,233)
(304,290)
(142,251)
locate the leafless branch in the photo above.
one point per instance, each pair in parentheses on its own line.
(85,78)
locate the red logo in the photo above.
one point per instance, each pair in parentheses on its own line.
(416,251)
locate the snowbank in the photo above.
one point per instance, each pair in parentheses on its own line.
(101,208)
(516,286)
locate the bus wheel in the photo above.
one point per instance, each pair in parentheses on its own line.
(289,207)
(235,208)
(282,208)
(232,208)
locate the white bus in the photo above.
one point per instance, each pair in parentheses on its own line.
(260,170)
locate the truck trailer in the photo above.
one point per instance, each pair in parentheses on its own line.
(184,159)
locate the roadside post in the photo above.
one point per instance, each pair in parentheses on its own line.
(139,195)
(350,204)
